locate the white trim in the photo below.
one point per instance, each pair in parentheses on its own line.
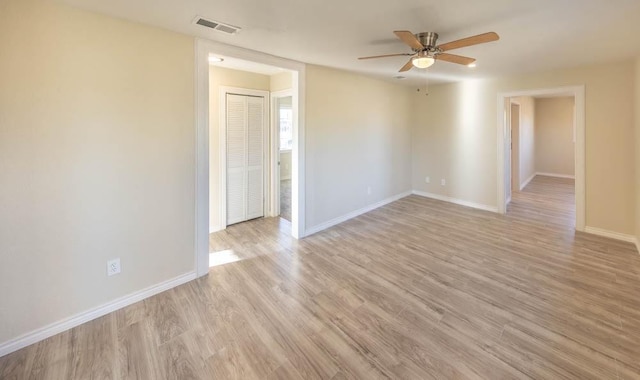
(353,214)
(555,175)
(578,92)
(222,159)
(525,183)
(298,155)
(202,49)
(201,206)
(91,314)
(508,119)
(460,202)
(611,234)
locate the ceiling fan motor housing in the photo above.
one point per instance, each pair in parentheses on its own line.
(428,39)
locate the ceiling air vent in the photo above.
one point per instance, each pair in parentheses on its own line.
(215,25)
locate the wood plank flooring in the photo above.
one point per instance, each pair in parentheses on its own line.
(418,289)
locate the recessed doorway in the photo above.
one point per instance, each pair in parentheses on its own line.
(212,144)
(546,164)
(282,129)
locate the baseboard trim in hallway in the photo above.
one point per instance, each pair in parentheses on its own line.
(525,183)
(611,234)
(68,323)
(555,175)
(460,202)
(323,226)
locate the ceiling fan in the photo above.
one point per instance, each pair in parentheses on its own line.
(426,52)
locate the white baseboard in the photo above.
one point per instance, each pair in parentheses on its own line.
(456,201)
(525,183)
(216,228)
(556,175)
(91,314)
(323,226)
(611,234)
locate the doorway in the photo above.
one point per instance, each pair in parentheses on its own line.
(283,131)
(519,152)
(208,146)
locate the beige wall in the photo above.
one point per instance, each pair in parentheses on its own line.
(555,153)
(458,140)
(454,142)
(526,142)
(637,135)
(281,81)
(97,160)
(219,76)
(357,135)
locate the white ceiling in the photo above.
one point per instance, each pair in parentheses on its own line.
(535,34)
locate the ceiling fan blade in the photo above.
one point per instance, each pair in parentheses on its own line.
(408,38)
(407,66)
(469,41)
(455,59)
(386,55)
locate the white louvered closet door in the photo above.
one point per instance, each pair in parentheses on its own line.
(245,156)
(255,155)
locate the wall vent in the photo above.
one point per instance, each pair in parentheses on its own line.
(215,25)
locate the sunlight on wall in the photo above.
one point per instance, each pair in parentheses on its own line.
(467,133)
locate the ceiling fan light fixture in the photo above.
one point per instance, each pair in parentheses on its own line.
(423,60)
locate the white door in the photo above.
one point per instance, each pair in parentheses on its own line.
(245,157)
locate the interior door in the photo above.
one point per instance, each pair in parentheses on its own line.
(255,157)
(245,157)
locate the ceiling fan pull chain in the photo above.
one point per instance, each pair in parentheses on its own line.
(426,85)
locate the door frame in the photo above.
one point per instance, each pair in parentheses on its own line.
(578,93)
(509,120)
(203,48)
(222,146)
(274,209)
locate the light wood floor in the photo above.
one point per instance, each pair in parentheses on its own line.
(418,289)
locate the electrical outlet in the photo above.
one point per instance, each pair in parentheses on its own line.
(113,267)
(427,180)
(369,190)
(443,182)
